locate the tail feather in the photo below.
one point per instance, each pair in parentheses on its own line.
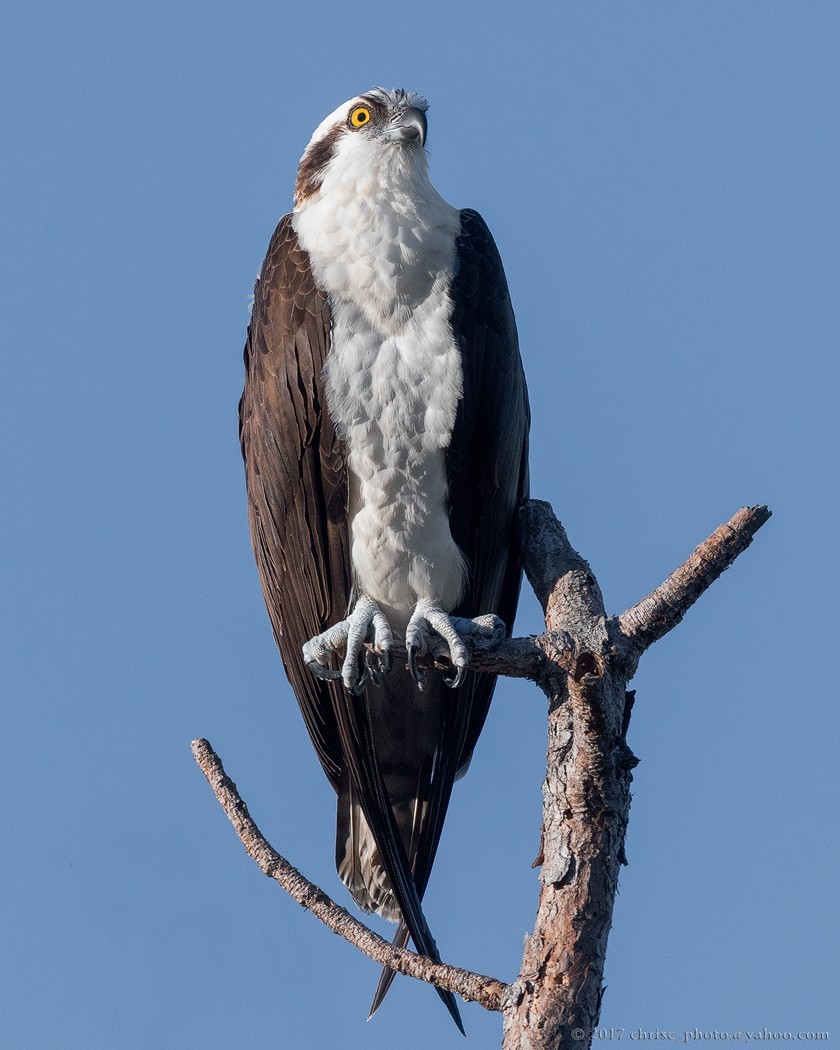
(389,803)
(387,976)
(358,860)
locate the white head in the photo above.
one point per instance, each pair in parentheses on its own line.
(375,135)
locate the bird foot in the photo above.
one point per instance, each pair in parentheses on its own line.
(431,632)
(346,642)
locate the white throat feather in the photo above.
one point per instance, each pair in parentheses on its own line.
(381,243)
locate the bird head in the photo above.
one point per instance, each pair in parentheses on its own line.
(380,131)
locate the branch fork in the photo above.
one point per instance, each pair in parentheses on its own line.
(582,662)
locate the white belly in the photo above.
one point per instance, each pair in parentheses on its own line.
(381,242)
(393,398)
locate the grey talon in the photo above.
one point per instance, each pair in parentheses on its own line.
(324,673)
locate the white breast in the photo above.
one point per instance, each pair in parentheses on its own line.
(393,376)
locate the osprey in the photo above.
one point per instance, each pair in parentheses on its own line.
(384,428)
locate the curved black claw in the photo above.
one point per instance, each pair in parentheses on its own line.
(373,668)
(418,675)
(378,664)
(457,679)
(324,673)
(361,663)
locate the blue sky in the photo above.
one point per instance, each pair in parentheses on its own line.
(661,179)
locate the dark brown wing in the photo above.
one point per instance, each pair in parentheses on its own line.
(296,477)
(487,461)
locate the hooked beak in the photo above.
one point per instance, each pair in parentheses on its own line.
(412,127)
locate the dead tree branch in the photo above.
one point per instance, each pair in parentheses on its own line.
(473,987)
(556,1000)
(583,663)
(652,617)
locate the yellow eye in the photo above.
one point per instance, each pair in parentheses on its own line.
(359,117)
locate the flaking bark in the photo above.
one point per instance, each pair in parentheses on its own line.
(582,662)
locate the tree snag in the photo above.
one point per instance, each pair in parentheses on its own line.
(583,663)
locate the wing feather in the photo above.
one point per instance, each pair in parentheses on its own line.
(296,477)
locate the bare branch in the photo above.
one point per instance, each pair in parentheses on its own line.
(472,987)
(513,657)
(550,560)
(652,617)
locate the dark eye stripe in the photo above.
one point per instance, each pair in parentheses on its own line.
(314,163)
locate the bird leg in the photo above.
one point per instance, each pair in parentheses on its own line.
(432,632)
(365,623)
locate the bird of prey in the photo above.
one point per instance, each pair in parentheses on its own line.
(384,428)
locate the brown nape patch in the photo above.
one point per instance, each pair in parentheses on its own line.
(314,162)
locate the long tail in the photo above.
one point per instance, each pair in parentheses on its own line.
(433,792)
(353,717)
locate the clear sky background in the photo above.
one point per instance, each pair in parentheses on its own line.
(662,181)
